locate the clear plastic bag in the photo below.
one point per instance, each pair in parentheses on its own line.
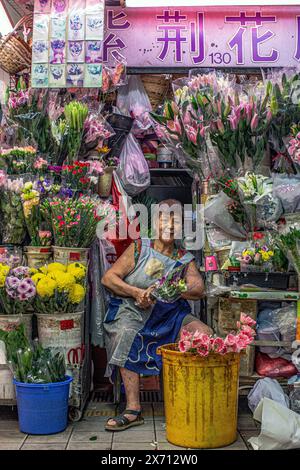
(268,388)
(133,169)
(133,101)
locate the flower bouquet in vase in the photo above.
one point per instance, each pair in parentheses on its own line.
(17,293)
(38,222)
(59,304)
(74,223)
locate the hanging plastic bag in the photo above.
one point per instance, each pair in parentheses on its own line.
(280,427)
(133,169)
(269,388)
(133,101)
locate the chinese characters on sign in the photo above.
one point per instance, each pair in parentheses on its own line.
(170,37)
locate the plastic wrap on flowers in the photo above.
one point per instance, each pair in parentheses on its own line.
(27,115)
(289,243)
(96,131)
(133,169)
(253,190)
(287,190)
(283,87)
(113,77)
(13,225)
(215,212)
(133,101)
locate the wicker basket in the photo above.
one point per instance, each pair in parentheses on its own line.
(156,87)
(15,53)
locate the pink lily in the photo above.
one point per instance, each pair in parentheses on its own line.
(254,122)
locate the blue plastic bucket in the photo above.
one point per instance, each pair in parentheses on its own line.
(43,408)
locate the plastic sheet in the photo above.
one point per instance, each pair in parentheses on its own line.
(269,388)
(280,427)
(102,256)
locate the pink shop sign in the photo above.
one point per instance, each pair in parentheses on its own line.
(204,37)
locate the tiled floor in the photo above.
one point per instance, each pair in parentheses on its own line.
(89,433)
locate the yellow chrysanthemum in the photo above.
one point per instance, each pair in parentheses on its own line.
(56,267)
(64,281)
(76,293)
(33,271)
(46,287)
(2,280)
(37,277)
(78,270)
(43,269)
(4,269)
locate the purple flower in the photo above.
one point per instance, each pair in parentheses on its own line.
(12,293)
(20,271)
(31,291)
(55,168)
(66,192)
(23,287)
(265,248)
(12,282)
(23,297)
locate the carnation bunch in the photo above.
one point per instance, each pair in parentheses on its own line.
(74,221)
(203,344)
(17,290)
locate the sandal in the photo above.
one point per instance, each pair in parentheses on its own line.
(122,422)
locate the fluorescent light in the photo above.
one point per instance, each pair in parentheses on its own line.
(207,3)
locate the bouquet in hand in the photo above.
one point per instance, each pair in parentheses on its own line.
(170,287)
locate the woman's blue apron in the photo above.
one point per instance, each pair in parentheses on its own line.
(132,335)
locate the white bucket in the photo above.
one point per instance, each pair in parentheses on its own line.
(7,388)
(61,331)
(37,256)
(66,255)
(10,322)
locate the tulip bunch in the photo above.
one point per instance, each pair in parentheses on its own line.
(203,344)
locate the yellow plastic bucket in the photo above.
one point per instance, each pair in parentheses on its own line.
(200,397)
